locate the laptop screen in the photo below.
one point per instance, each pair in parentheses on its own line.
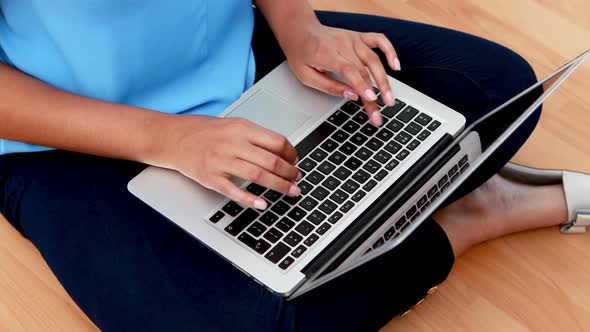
(498,125)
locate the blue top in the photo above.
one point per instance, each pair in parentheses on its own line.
(171,56)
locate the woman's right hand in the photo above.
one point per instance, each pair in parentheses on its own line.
(211,150)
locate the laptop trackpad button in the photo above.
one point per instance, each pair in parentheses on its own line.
(269,111)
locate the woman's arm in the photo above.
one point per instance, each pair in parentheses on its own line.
(312,49)
(207,149)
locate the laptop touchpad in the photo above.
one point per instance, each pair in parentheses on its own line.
(269,111)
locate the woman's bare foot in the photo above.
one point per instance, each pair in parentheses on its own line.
(501,207)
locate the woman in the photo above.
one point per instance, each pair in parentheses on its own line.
(122,84)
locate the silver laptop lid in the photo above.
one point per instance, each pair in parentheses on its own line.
(519,109)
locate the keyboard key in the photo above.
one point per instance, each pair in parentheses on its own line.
(358,139)
(327,206)
(383,157)
(374,144)
(350,186)
(464,168)
(361,117)
(379,243)
(390,111)
(285,225)
(335,217)
(389,234)
(407,114)
(445,187)
(326,167)
(350,107)
(241,222)
(443,180)
(342,173)
(422,201)
(260,246)
(286,263)
(411,211)
(296,213)
(278,252)
(318,155)
(361,176)
(338,118)
(454,178)
(424,135)
(391,164)
(329,145)
(433,126)
(395,125)
(413,128)
(353,163)
(232,208)
(363,153)
(385,134)
(403,154)
(308,203)
(269,218)
(403,138)
(255,189)
(293,238)
(400,223)
(339,196)
(337,158)
(392,147)
(453,170)
(320,193)
(381,175)
(315,177)
(298,251)
(311,240)
(316,217)
(305,187)
(304,228)
(351,126)
(432,191)
(463,161)
(371,166)
(272,195)
(413,145)
(423,119)
(331,183)
(291,200)
(323,228)
(340,136)
(358,196)
(216,217)
(369,129)
(256,229)
(273,235)
(347,148)
(307,164)
(369,185)
(280,208)
(314,139)
(379,101)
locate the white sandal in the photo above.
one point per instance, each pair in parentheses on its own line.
(576,187)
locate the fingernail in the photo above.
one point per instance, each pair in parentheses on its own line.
(370,95)
(299,176)
(396,64)
(351,95)
(260,204)
(377,119)
(294,191)
(296,160)
(389,100)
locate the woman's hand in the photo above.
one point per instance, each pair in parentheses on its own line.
(316,49)
(211,150)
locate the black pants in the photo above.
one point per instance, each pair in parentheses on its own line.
(131,269)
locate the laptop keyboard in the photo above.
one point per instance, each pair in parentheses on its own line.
(342,160)
(414,211)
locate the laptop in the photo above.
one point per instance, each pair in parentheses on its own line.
(364,189)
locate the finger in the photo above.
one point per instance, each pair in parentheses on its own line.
(320,80)
(237,194)
(378,40)
(259,175)
(272,142)
(354,76)
(269,161)
(371,60)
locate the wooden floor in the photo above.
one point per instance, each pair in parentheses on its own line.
(535,281)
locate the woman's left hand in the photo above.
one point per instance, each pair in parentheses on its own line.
(350,55)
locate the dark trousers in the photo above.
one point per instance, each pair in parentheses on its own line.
(131,269)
